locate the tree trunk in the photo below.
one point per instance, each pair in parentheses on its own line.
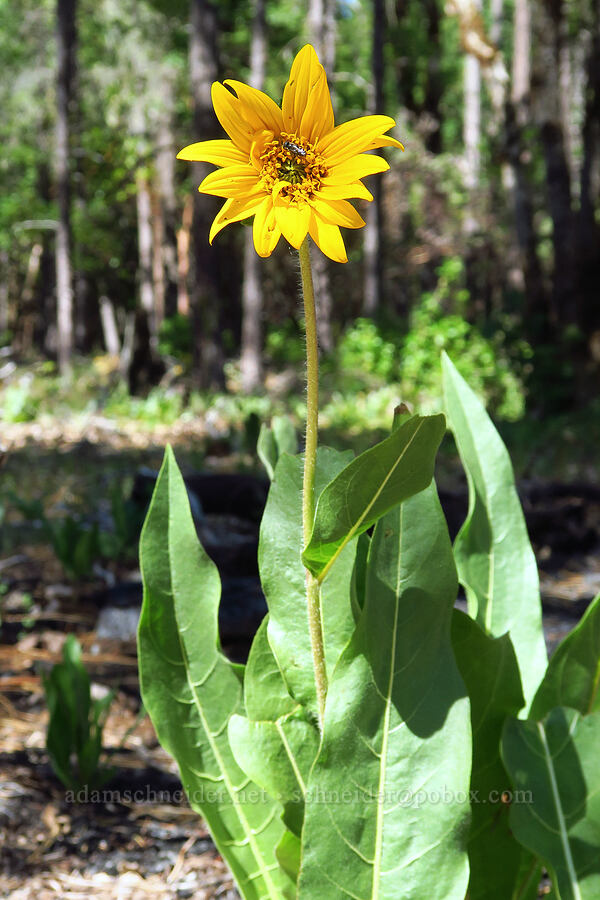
(518,114)
(144,230)
(471,133)
(321,34)
(66,36)
(588,232)
(204,293)
(251,344)
(373,272)
(28,311)
(165,168)
(110,331)
(158,273)
(183,256)
(548,114)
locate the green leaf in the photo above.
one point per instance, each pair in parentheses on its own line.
(490,671)
(191,690)
(283,578)
(265,693)
(555,809)
(272,442)
(493,555)
(278,749)
(387,807)
(573,674)
(370,486)
(289,854)
(278,757)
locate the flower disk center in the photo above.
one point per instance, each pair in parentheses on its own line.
(292,165)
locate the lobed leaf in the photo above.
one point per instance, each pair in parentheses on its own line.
(556,802)
(493,554)
(191,690)
(371,485)
(387,804)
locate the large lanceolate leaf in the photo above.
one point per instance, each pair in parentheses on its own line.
(573,674)
(554,766)
(191,690)
(283,577)
(369,486)
(493,554)
(387,805)
(491,674)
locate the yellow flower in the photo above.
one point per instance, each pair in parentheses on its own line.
(290,168)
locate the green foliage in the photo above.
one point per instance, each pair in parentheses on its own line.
(160,406)
(421,700)
(484,362)
(191,690)
(272,442)
(386,755)
(79,543)
(283,577)
(74,738)
(364,350)
(495,560)
(370,486)
(556,807)
(284,345)
(573,674)
(17,403)
(175,338)
(491,673)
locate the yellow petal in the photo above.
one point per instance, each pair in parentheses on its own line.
(317,118)
(220,153)
(304,75)
(259,111)
(353,137)
(357,191)
(233,211)
(356,168)
(385,141)
(266,232)
(292,219)
(229,113)
(337,212)
(233,181)
(261,139)
(328,238)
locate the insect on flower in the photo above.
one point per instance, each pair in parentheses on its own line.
(290,167)
(294,148)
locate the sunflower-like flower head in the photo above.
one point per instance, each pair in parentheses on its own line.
(290,168)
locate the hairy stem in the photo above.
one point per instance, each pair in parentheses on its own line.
(313,590)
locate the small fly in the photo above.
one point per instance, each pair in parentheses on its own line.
(294,148)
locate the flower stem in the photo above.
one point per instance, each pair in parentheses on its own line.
(313,589)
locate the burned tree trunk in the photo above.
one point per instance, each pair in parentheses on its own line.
(204,292)
(518,112)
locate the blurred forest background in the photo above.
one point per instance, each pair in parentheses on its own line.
(483,238)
